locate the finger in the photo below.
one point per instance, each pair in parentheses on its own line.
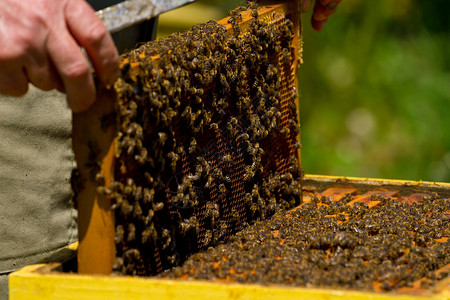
(40,72)
(54,77)
(331,5)
(91,33)
(13,82)
(321,13)
(73,69)
(305,5)
(59,85)
(318,25)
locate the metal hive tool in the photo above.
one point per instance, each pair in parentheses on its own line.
(203,138)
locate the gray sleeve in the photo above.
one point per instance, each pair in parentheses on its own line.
(36,213)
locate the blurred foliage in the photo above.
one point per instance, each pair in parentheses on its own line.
(376,91)
(375,88)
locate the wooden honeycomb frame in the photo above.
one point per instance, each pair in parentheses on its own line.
(94,135)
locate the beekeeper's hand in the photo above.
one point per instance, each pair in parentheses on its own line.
(323,9)
(40,43)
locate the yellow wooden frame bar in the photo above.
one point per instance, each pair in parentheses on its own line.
(31,283)
(376,181)
(443,188)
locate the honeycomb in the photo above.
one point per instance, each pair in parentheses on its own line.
(339,238)
(207,137)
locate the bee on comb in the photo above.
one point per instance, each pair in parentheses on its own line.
(192,137)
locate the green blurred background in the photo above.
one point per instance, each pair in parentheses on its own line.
(375,87)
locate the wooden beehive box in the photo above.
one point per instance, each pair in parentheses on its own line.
(49,281)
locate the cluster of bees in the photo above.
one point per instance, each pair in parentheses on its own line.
(327,243)
(207,140)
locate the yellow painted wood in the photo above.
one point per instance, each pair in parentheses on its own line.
(376,181)
(33,283)
(93,141)
(73,246)
(404,187)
